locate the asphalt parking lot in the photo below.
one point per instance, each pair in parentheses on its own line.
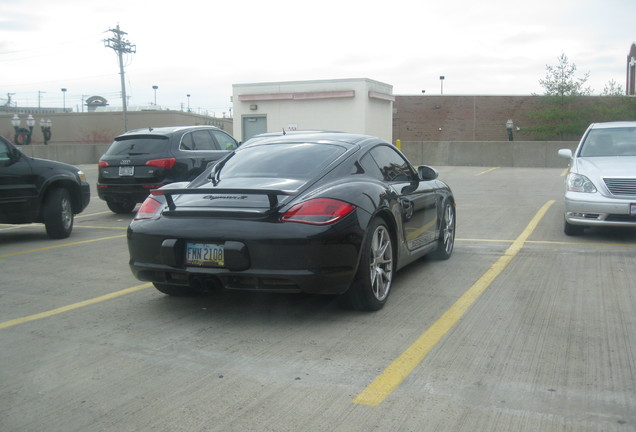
(523,329)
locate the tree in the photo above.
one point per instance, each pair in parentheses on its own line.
(614,105)
(612,88)
(560,80)
(562,115)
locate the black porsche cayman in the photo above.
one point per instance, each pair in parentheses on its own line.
(327,213)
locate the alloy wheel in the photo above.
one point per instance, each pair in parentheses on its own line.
(381,265)
(448,230)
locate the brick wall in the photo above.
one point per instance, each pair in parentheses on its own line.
(463,118)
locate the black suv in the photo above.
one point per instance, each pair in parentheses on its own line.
(145,159)
(39,190)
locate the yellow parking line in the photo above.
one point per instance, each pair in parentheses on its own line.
(101,227)
(553,242)
(487,171)
(9,227)
(397,371)
(61,246)
(581,243)
(92,214)
(483,240)
(73,306)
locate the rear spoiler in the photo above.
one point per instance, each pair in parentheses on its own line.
(272,194)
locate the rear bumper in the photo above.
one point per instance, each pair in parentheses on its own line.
(333,282)
(310,259)
(125,193)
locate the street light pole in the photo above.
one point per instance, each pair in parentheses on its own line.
(441,80)
(63,99)
(154,87)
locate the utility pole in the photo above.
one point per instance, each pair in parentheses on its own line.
(40,97)
(8,104)
(121,46)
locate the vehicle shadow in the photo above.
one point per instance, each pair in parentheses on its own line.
(23,233)
(266,308)
(258,308)
(608,234)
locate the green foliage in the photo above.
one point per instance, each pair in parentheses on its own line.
(560,80)
(560,117)
(566,109)
(612,88)
(614,108)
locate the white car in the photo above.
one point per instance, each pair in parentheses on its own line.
(600,188)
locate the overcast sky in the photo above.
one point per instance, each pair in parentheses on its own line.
(202,47)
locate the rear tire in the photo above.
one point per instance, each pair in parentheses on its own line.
(176,290)
(121,207)
(372,284)
(572,230)
(58,213)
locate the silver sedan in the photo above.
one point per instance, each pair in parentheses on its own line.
(600,188)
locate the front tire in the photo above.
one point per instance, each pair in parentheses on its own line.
(446,241)
(372,284)
(58,213)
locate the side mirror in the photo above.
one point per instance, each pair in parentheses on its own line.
(427,173)
(565,153)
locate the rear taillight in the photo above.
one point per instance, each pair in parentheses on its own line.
(319,211)
(149,209)
(102,164)
(167,163)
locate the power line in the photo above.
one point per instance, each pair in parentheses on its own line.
(121,46)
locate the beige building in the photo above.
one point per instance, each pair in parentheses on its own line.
(352,105)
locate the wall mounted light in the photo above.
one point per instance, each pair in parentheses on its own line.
(509,125)
(45,126)
(22,135)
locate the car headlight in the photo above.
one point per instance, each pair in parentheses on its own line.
(579,183)
(81,175)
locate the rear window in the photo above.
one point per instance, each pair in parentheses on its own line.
(288,161)
(610,142)
(139,146)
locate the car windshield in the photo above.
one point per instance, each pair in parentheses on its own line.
(139,146)
(610,142)
(289,161)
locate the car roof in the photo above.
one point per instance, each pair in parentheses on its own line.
(613,125)
(292,132)
(283,132)
(316,137)
(166,130)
